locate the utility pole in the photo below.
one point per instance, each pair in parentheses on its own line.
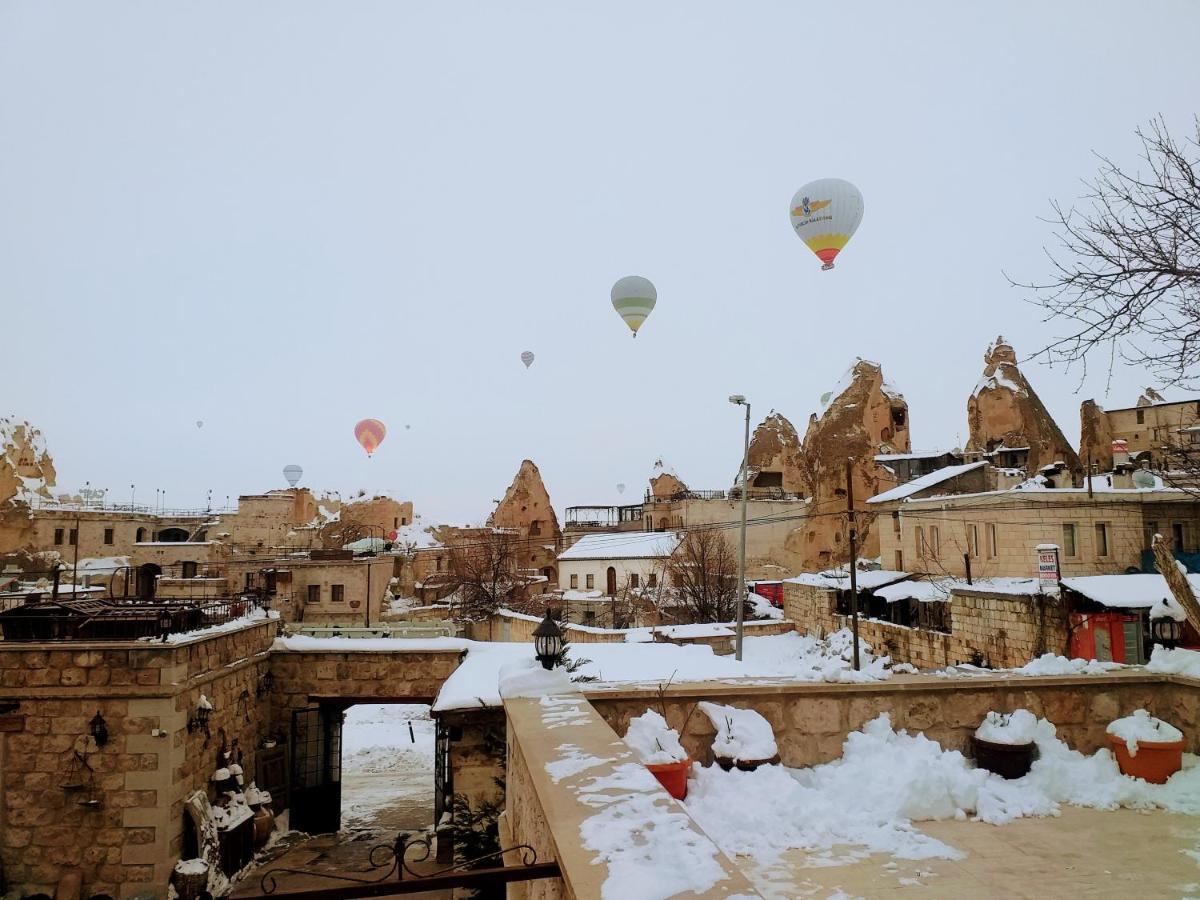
(853,555)
(75,571)
(739,400)
(1089,474)
(369,592)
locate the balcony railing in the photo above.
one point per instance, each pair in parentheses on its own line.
(100,620)
(763,493)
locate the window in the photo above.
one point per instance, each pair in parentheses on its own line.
(141,535)
(589,616)
(395,521)
(973,540)
(187,569)
(1151,531)
(404,520)
(992,540)
(439,564)
(574,582)
(633,579)
(314,593)
(1068,539)
(337,593)
(895,523)
(58,537)
(108,535)
(535,527)
(72,537)
(935,542)
(1101,539)
(920,542)
(899,560)
(591,581)
(652,580)
(1141,417)
(1176,535)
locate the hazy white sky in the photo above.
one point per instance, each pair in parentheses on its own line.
(282,217)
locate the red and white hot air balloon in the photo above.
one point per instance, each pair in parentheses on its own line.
(370,434)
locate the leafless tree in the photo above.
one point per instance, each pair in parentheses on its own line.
(703,574)
(1127,272)
(483,573)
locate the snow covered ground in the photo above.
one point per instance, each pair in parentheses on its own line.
(387,769)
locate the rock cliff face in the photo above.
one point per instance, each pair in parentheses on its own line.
(526,509)
(776,457)
(864,416)
(1004,411)
(664,483)
(26,471)
(1095,436)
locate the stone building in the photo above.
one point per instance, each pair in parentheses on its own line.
(526,510)
(1007,420)
(1155,430)
(611,563)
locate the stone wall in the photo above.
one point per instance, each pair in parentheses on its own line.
(811,721)
(146,693)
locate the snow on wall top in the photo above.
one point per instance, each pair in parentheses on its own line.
(1140,591)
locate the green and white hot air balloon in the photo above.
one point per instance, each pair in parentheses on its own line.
(633,297)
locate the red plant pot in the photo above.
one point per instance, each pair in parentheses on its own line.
(673,776)
(1155,762)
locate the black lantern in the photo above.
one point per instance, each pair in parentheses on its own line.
(1166,631)
(548,642)
(266,684)
(99,729)
(164,623)
(200,720)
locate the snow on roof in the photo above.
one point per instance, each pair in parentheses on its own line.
(1140,591)
(925,481)
(623,545)
(916,454)
(839,579)
(940,589)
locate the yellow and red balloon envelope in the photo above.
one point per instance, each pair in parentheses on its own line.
(370,434)
(825,214)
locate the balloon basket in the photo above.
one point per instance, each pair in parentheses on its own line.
(826,267)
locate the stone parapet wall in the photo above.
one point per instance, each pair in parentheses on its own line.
(811,721)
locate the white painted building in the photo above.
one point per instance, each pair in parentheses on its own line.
(610,562)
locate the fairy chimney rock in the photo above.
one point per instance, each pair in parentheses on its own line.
(1095,436)
(1004,412)
(26,468)
(776,457)
(664,483)
(863,416)
(526,506)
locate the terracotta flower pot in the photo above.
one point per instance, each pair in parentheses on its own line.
(673,776)
(1155,762)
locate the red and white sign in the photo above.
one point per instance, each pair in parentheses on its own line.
(1047,566)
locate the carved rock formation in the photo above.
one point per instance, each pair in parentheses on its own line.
(865,416)
(1095,436)
(26,471)
(664,483)
(776,457)
(526,509)
(1004,411)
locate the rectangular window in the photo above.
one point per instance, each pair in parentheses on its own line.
(395,521)
(591,582)
(1101,539)
(439,564)
(920,542)
(633,579)
(895,523)
(993,541)
(973,540)
(935,542)
(574,582)
(1141,417)
(589,616)
(188,569)
(314,593)
(1176,535)
(652,580)
(535,528)
(337,592)
(58,537)
(899,560)
(1068,539)
(72,537)
(108,535)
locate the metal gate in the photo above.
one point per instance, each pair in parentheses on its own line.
(316,789)
(443,777)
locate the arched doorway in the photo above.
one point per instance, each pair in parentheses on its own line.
(172,535)
(147,581)
(611,581)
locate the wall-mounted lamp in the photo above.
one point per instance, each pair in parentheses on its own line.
(200,720)
(547,641)
(98,729)
(266,684)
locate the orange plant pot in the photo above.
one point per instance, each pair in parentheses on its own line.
(1155,762)
(673,776)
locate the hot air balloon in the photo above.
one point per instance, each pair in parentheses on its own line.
(620,488)
(527,358)
(633,297)
(370,434)
(293,473)
(199,423)
(825,214)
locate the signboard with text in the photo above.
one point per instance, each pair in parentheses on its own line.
(1047,567)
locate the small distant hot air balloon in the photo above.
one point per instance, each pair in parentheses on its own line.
(527,358)
(825,214)
(370,434)
(633,297)
(293,474)
(620,488)
(199,423)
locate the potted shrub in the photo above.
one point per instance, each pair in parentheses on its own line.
(1004,743)
(657,746)
(744,738)
(1146,747)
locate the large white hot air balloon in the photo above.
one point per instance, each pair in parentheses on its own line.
(293,474)
(825,214)
(633,297)
(527,358)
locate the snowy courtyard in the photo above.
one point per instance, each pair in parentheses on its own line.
(387,768)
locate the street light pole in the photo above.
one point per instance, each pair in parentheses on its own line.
(739,400)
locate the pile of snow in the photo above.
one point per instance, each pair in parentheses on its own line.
(887,780)
(1141,726)
(1174,662)
(527,678)
(742,734)
(1050,664)
(1168,608)
(386,738)
(763,608)
(1015,728)
(653,740)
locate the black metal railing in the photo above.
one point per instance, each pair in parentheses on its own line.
(763,493)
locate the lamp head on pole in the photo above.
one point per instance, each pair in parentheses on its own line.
(738,400)
(547,641)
